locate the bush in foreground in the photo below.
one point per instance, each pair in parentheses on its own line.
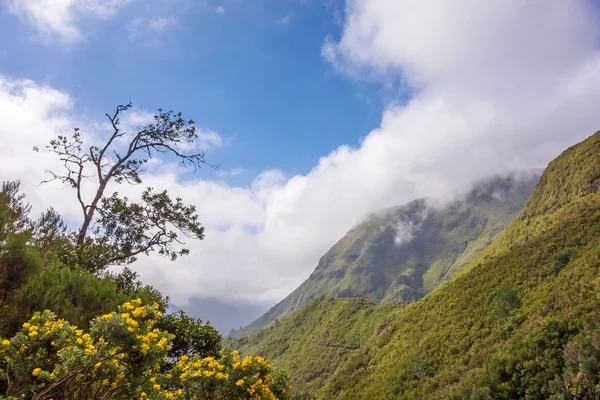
(124,356)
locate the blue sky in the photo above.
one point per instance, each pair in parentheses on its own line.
(330,109)
(254,73)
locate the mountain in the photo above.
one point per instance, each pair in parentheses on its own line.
(404,252)
(521,320)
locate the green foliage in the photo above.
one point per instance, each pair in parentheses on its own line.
(74,294)
(17,262)
(129,229)
(14,211)
(581,377)
(17,259)
(191,336)
(34,276)
(311,343)
(127,282)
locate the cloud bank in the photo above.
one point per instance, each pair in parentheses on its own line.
(61,19)
(497,86)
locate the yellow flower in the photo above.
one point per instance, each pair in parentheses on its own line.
(98,364)
(32,333)
(6,342)
(157,386)
(240,382)
(105,382)
(36,371)
(26,325)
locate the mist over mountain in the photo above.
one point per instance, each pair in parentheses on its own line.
(402,253)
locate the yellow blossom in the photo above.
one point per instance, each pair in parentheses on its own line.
(6,342)
(36,371)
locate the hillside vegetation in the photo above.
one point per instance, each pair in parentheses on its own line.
(404,252)
(519,321)
(314,341)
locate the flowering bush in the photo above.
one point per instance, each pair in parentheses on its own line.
(124,356)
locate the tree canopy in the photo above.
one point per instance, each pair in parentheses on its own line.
(116,229)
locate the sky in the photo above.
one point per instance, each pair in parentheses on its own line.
(318,113)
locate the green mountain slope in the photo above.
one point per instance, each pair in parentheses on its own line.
(404,252)
(521,321)
(311,343)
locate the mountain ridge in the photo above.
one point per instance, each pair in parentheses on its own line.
(404,252)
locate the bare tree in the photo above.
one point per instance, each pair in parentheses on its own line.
(121,228)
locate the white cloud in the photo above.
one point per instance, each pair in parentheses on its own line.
(61,19)
(160,24)
(208,139)
(498,85)
(236,171)
(153,27)
(220,10)
(285,20)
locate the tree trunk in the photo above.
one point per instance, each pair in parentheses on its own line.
(90,213)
